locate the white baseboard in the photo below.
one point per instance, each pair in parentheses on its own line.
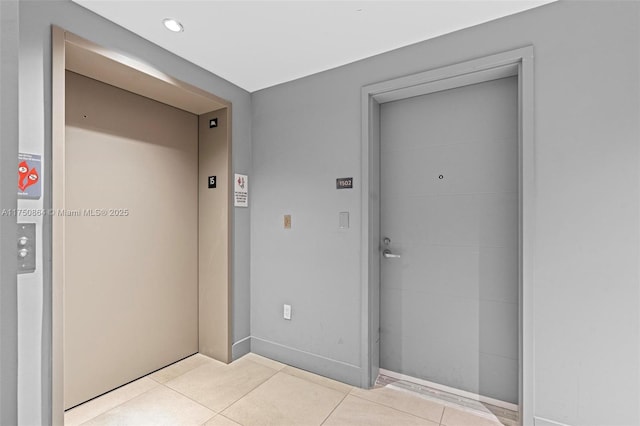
(241,347)
(541,421)
(462,393)
(327,367)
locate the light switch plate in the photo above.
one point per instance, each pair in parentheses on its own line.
(287,312)
(343,220)
(287,221)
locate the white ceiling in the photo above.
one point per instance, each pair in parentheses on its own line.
(261,43)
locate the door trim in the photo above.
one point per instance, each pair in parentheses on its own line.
(9,129)
(518,62)
(77,54)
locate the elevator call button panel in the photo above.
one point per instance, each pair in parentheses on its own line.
(26,247)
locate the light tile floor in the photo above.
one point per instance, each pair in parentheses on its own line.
(258,391)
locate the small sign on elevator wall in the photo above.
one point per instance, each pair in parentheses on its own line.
(29,171)
(241,191)
(212,181)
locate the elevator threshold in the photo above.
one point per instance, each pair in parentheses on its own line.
(489,408)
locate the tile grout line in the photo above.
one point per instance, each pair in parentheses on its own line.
(230,419)
(395,409)
(187,396)
(157,384)
(180,393)
(208,408)
(403,411)
(210,418)
(122,403)
(360,397)
(247,393)
(335,408)
(149,375)
(191,399)
(219,413)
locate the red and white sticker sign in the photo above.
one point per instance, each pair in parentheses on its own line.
(29,172)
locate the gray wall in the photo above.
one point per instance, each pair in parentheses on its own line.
(9,43)
(586,299)
(36,18)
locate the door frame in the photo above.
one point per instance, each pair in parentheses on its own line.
(518,62)
(74,53)
(9,129)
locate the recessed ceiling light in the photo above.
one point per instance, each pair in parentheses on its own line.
(173,25)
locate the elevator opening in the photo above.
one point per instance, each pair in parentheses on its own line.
(141,239)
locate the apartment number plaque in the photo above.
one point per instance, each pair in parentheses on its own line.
(344,183)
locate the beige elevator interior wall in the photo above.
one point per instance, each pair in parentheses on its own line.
(131,290)
(214,238)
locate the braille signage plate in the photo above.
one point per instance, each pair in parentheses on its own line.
(344,183)
(212,181)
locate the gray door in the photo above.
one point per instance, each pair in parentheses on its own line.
(449,206)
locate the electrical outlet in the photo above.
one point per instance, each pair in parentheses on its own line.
(287,312)
(287,221)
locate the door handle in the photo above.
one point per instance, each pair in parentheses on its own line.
(388,255)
